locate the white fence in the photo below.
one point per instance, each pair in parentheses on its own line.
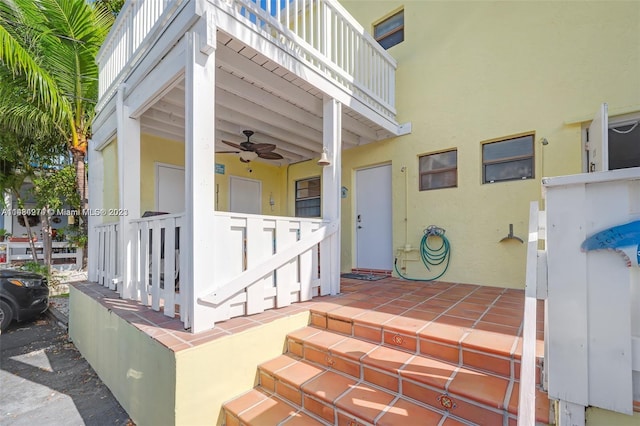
(260,262)
(321,32)
(64,254)
(106,236)
(157,263)
(593,315)
(266,262)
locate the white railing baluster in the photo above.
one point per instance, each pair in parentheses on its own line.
(155,265)
(144,263)
(169,266)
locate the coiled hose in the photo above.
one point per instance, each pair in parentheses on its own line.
(431,256)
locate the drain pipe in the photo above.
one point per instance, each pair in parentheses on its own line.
(407,246)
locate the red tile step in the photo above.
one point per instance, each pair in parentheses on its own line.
(329,378)
(449,338)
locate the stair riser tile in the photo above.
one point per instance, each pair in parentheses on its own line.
(231,420)
(385,380)
(337,363)
(400,341)
(267,381)
(289,393)
(516,372)
(485,362)
(440,351)
(372,334)
(319,408)
(475,413)
(345,419)
(295,347)
(423,394)
(319,320)
(339,326)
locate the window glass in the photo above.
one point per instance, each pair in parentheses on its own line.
(509,159)
(390,31)
(308,197)
(439,170)
(624,146)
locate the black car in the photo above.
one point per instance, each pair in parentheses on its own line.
(23,295)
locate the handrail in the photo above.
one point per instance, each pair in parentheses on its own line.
(250,276)
(527,397)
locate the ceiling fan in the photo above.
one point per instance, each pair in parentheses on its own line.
(250,151)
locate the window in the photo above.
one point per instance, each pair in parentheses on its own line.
(508,159)
(390,31)
(439,170)
(308,197)
(624,145)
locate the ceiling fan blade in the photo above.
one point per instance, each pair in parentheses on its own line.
(263,147)
(227,152)
(236,146)
(270,155)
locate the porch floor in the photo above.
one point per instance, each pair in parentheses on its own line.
(478,317)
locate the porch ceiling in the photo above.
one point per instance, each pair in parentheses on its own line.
(257,94)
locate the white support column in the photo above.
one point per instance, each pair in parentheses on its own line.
(200,246)
(96,190)
(128,135)
(331,183)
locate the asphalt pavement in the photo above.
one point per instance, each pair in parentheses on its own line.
(45,381)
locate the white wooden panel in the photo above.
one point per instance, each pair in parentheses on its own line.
(155,266)
(610,384)
(169,267)
(305,265)
(570,414)
(527,397)
(286,274)
(568,340)
(144,263)
(259,248)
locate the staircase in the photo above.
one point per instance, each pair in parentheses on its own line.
(407,366)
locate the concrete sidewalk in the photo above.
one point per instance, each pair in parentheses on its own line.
(45,381)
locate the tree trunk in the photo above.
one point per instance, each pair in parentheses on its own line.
(83,191)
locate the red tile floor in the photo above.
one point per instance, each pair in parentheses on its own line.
(446,350)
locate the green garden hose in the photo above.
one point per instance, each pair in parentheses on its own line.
(431,256)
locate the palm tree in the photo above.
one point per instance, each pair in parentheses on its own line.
(49,74)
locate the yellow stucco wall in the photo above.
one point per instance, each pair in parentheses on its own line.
(600,417)
(155,150)
(159,387)
(205,379)
(139,371)
(158,150)
(473,71)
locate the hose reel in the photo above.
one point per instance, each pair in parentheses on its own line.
(431,255)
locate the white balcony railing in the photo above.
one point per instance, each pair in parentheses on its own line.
(265,262)
(106,237)
(134,23)
(319,32)
(328,38)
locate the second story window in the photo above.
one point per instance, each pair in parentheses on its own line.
(308,197)
(390,31)
(439,170)
(508,159)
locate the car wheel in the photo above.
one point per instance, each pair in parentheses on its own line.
(6,315)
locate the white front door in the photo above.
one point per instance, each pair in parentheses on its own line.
(245,195)
(169,188)
(374,249)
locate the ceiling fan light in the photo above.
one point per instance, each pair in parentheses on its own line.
(247,156)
